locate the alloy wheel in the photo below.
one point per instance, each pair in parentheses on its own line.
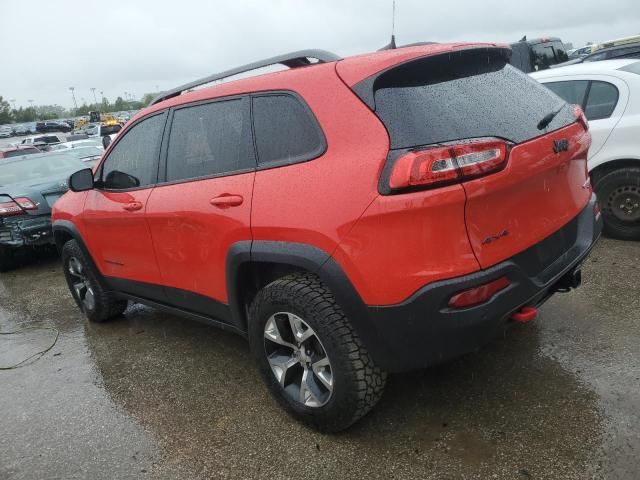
(298,360)
(80,283)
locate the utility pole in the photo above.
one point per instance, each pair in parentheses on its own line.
(93,89)
(75,104)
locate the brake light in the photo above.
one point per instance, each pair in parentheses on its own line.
(580,116)
(448,164)
(8,209)
(477,295)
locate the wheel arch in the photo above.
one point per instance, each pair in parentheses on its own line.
(64,231)
(252,265)
(602,169)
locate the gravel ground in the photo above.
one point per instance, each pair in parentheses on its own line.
(154,396)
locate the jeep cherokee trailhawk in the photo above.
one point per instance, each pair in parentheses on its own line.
(350,217)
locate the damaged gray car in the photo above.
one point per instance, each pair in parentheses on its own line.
(29,186)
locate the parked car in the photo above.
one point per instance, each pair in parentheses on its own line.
(537,54)
(6,132)
(580,52)
(609,93)
(41,141)
(89,154)
(18,151)
(102,130)
(24,129)
(438,197)
(88,142)
(29,186)
(618,52)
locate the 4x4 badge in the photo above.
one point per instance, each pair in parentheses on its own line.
(561,145)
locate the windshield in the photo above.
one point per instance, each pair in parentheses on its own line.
(38,168)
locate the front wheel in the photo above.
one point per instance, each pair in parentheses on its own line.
(619,196)
(97,303)
(309,355)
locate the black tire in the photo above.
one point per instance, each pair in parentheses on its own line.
(357,383)
(6,258)
(105,305)
(615,189)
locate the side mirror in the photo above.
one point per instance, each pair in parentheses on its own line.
(106,140)
(81,181)
(120,180)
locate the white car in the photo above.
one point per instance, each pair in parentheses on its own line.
(609,93)
(89,142)
(6,132)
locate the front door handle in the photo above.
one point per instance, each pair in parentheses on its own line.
(226,200)
(132,206)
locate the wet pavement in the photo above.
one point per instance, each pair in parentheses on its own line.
(155,396)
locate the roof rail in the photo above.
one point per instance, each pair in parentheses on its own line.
(291,60)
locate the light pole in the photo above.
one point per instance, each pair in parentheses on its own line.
(93,90)
(75,104)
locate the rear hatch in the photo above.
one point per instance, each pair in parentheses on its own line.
(473,119)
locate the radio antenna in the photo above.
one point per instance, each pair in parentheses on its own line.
(392,44)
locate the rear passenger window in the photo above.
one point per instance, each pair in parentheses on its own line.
(602,100)
(572,91)
(285,131)
(209,139)
(132,161)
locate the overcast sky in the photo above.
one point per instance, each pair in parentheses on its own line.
(132,46)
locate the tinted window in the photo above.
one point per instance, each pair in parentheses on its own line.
(630,52)
(543,56)
(602,100)
(208,140)
(561,54)
(466,95)
(285,130)
(596,57)
(632,68)
(570,91)
(132,162)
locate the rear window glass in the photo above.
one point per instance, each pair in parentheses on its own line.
(464,95)
(209,139)
(571,91)
(603,98)
(285,130)
(632,68)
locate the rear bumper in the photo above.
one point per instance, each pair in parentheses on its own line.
(20,231)
(423,330)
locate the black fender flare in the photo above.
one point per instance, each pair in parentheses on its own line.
(69,228)
(305,257)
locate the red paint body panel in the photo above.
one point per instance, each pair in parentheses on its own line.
(404,242)
(317,202)
(537,193)
(192,237)
(120,240)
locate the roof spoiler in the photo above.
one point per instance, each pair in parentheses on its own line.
(300,58)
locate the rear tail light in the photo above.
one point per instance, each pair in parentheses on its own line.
(477,295)
(449,164)
(580,116)
(17,206)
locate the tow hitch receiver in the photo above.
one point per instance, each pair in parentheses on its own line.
(525,314)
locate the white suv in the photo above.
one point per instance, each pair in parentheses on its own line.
(609,94)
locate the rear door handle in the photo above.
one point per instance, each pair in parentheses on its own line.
(226,200)
(132,206)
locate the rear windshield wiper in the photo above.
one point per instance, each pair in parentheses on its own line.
(548,118)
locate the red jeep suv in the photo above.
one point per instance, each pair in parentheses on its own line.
(349,217)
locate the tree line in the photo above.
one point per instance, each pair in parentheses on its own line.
(50,112)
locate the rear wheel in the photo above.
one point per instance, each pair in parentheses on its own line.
(619,196)
(309,355)
(97,303)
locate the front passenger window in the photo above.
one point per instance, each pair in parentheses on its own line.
(133,161)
